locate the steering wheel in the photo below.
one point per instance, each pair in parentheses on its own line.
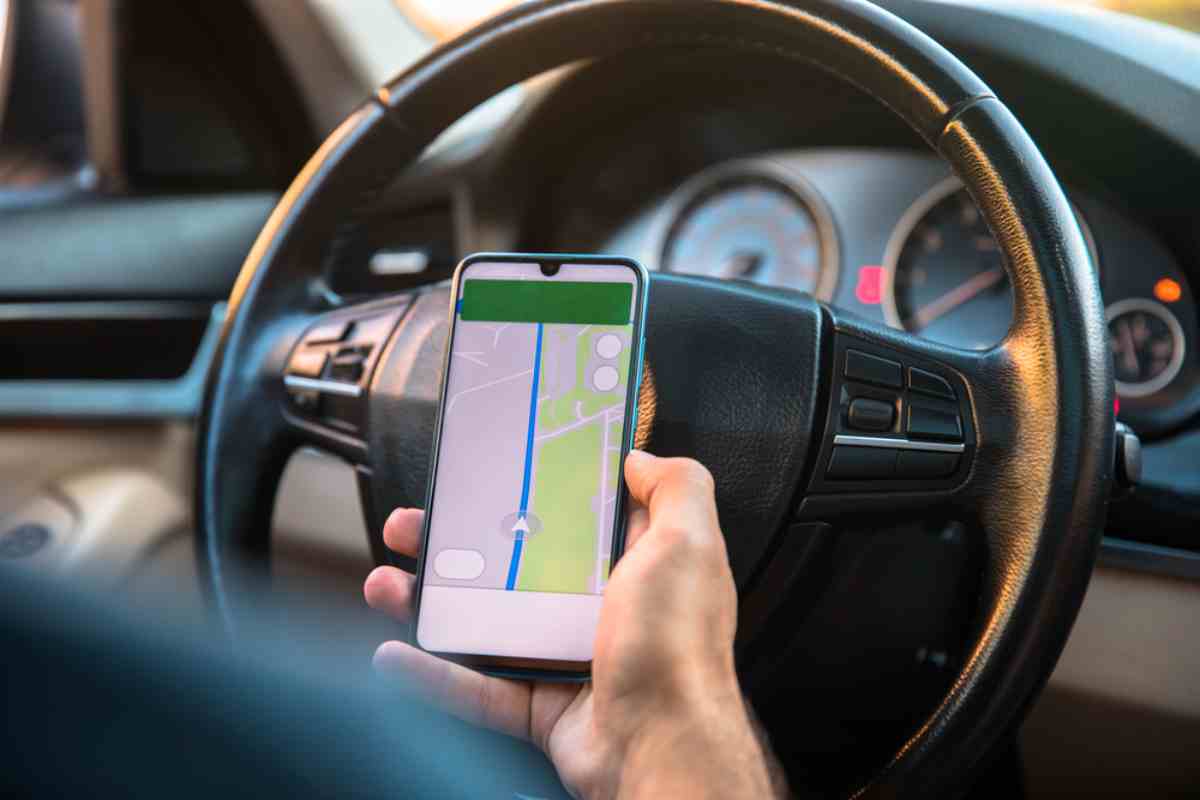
(765,387)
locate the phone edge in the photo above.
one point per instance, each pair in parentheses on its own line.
(633,395)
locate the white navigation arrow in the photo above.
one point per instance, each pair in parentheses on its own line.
(521,526)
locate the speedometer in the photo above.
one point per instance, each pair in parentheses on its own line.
(944,272)
(745,221)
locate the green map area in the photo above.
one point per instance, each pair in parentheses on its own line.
(578,432)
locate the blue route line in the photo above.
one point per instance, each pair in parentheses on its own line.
(523,511)
(516,560)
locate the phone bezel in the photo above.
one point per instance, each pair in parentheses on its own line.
(516,667)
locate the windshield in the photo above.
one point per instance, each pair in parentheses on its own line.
(442,19)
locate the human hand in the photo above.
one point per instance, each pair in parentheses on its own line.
(663,714)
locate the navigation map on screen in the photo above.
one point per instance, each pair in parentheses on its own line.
(529,466)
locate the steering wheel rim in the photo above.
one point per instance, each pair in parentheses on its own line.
(1039,406)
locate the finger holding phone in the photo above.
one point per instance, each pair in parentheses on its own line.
(663,715)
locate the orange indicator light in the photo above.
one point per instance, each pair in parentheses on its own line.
(1167,290)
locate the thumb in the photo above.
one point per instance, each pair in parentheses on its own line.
(678,490)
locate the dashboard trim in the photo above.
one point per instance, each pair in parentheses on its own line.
(120,399)
(1140,557)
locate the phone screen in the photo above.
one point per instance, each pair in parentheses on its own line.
(527,477)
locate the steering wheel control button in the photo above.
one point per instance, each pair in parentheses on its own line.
(927,383)
(862,463)
(920,464)
(872,369)
(304,400)
(925,422)
(23,541)
(1128,453)
(865,414)
(349,363)
(307,363)
(328,332)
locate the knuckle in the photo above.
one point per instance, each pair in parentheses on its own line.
(684,541)
(690,471)
(675,537)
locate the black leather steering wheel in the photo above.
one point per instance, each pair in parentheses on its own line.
(755,383)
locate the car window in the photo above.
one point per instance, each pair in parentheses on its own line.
(442,19)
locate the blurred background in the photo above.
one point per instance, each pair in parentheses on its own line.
(42,148)
(444,18)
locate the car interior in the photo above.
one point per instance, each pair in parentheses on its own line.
(226,236)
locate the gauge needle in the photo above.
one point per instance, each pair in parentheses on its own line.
(743,264)
(955,298)
(1129,358)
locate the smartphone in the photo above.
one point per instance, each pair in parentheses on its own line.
(525,514)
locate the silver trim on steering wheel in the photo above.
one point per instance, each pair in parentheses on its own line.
(897,444)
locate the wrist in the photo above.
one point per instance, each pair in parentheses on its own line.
(707,749)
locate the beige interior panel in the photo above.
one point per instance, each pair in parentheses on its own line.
(53,472)
(1136,638)
(117,500)
(318,533)
(122,515)
(102,523)
(35,455)
(1121,714)
(108,493)
(1086,745)
(320,555)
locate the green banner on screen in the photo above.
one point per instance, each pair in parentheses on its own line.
(565,302)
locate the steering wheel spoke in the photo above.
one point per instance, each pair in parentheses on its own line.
(327,377)
(901,427)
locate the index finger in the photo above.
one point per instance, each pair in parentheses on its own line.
(402,531)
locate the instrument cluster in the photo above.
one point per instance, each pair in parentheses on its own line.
(891,235)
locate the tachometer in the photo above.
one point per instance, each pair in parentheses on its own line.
(744,221)
(1147,345)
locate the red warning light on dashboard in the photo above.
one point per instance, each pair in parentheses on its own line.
(1167,290)
(870,285)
